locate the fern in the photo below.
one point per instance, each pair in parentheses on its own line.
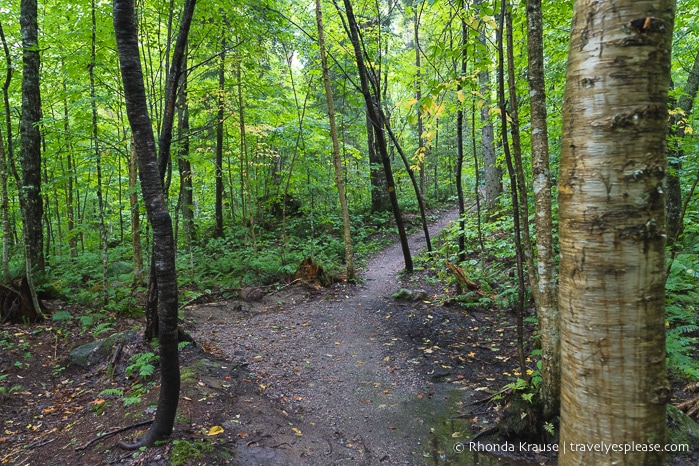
(144,364)
(681,348)
(104,327)
(111,392)
(131,400)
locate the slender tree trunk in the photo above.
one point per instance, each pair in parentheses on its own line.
(98,159)
(476,169)
(546,303)
(4,208)
(163,156)
(218,168)
(380,201)
(30,136)
(151,173)
(69,174)
(614,386)
(514,192)
(4,212)
(372,102)
(248,213)
(493,173)
(184,166)
(523,212)
(135,217)
(460,146)
(421,148)
(411,174)
(678,123)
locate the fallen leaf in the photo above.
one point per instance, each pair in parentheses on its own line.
(215,430)
(296,431)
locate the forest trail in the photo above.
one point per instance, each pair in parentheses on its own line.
(348,383)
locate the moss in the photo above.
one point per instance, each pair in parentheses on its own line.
(682,428)
(184,452)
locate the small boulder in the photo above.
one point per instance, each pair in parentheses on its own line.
(98,351)
(405,294)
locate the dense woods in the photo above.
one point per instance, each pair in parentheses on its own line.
(222,147)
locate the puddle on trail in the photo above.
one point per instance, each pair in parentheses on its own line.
(445,442)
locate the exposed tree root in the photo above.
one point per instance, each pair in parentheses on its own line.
(114,432)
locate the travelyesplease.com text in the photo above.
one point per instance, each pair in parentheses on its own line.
(607,448)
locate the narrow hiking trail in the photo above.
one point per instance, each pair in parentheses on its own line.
(348,383)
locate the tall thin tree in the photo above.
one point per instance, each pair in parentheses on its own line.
(370,92)
(337,159)
(151,171)
(546,299)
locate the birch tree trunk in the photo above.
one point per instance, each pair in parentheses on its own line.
(546,303)
(493,173)
(614,384)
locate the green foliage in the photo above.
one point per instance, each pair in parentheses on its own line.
(183,452)
(681,309)
(5,390)
(143,364)
(111,392)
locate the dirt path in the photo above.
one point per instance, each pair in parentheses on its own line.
(346,381)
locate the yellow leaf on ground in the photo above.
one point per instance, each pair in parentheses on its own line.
(296,431)
(215,430)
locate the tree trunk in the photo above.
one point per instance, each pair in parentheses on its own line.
(98,157)
(546,304)
(30,136)
(523,198)
(460,146)
(4,207)
(421,149)
(678,123)
(493,173)
(4,212)
(135,217)
(380,201)
(614,384)
(151,175)
(184,166)
(349,261)
(372,101)
(218,168)
(514,190)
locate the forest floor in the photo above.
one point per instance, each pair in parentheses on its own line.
(303,376)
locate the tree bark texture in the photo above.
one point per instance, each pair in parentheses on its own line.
(380,201)
(546,304)
(614,384)
(159,217)
(493,173)
(184,165)
(135,217)
(30,134)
